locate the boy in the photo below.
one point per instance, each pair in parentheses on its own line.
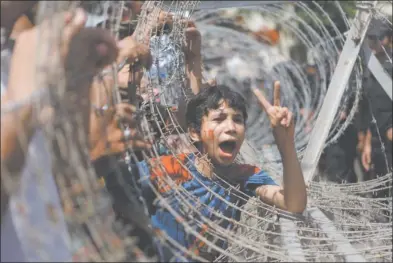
(216,120)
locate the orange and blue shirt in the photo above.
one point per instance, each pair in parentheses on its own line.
(183,172)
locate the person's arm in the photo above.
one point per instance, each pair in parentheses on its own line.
(292,196)
(389,133)
(105,136)
(367,150)
(361,137)
(194,74)
(16,126)
(20,118)
(193,58)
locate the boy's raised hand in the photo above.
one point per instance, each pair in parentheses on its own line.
(281,119)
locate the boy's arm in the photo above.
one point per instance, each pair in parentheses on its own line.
(293,196)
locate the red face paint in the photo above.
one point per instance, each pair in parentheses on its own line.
(210,134)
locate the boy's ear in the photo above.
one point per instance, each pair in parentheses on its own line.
(194,135)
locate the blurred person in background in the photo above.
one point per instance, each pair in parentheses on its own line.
(16,222)
(338,158)
(336,162)
(377,160)
(15,161)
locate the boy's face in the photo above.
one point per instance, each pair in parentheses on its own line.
(222,134)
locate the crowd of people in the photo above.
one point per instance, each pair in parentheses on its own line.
(214,119)
(364,151)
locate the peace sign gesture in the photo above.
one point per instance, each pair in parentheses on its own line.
(281,119)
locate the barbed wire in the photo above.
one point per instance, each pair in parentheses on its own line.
(235,56)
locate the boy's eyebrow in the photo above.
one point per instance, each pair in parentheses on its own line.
(218,113)
(238,114)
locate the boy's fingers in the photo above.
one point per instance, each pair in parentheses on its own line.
(289,119)
(280,114)
(276,97)
(264,102)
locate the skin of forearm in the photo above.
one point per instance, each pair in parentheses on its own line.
(12,144)
(99,96)
(194,73)
(389,134)
(361,136)
(367,139)
(295,194)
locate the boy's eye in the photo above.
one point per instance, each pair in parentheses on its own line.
(238,119)
(219,118)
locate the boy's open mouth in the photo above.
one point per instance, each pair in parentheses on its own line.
(228,147)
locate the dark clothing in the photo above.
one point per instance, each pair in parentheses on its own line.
(128,207)
(338,158)
(379,107)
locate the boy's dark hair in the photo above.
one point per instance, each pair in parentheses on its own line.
(209,99)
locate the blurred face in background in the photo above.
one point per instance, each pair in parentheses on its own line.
(387,41)
(374,43)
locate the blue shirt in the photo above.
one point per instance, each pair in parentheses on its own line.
(247,178)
